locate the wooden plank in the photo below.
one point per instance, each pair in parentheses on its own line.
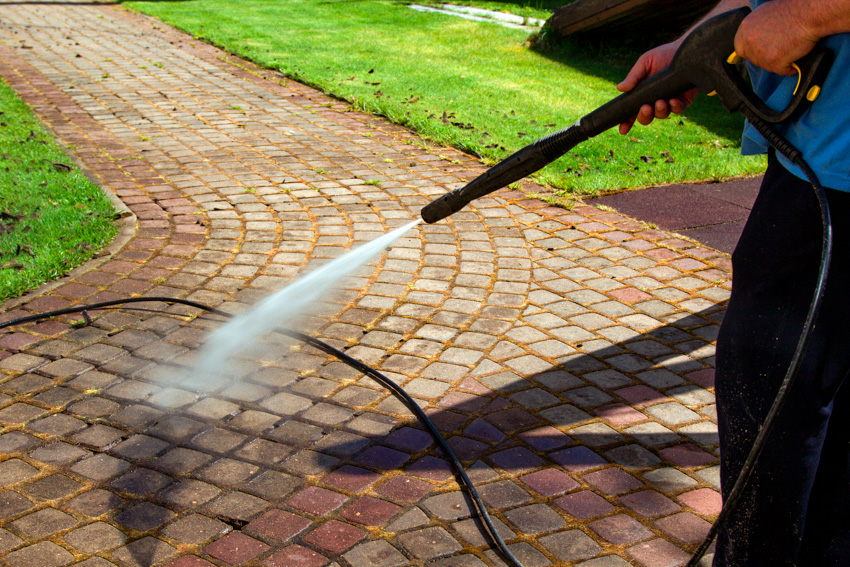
(674,15)
(583,10)
(600,16)
(585,19)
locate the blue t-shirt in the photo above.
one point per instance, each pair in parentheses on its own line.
(822,133)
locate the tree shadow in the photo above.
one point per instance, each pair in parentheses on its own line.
(641,406)
(639,410)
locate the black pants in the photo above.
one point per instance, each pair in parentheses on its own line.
(797,508)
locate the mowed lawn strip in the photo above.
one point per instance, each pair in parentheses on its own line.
(52,218)
(476,86)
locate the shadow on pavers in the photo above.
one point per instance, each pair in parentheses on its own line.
(240,454)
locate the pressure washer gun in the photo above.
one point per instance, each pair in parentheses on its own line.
(705,59)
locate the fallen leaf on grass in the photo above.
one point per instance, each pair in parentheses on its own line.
(24,249)
(62,167)
(11,266)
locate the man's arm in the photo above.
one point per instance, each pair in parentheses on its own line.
(780,32)
(772,37)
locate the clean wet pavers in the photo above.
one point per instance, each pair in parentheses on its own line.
(566,355)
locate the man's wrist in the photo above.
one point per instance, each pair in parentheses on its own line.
(818,18)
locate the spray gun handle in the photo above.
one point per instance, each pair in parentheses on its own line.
(708,60)
(737,95)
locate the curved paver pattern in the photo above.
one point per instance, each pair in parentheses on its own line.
(566,355)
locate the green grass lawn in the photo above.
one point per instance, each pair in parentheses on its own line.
(52,218)
(476,86)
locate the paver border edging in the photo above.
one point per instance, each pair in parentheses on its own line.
(129,222)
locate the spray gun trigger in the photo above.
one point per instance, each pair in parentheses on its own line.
(799,78)
(733,59)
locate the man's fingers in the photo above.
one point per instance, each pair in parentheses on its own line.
(639,71)
(677,106)
(647,64)
(646,114)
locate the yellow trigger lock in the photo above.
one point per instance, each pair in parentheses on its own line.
(799,77)
(811,96)
(813,93)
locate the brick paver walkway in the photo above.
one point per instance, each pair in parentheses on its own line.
(566,355)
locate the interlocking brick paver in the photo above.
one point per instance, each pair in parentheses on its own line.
(567,349)
(95,502)
(620,529)
(570,545)
(429,543)
(704,500)
(584,505)
(236,548)
(535,519)
(524,552)
(685,527)
(194,529)
(278,525)
(470,531)
(237,506)
(46,553)
(375,554)
(8,540)
(370,511)
(658,552)
(612,481)
(52,487)
(43,523)
(649,503)
(316,501)
(148,550)
(296,555)
(335,536)
(95,537)
(404,488)
(144,516)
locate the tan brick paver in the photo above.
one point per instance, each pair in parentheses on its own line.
(567,355)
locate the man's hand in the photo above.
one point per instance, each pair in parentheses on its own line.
(656,59)
(648,64)
(774,36)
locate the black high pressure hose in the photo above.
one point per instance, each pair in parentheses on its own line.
(783,146)
(463,479)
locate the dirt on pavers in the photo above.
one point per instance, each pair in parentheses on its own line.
(567,355)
